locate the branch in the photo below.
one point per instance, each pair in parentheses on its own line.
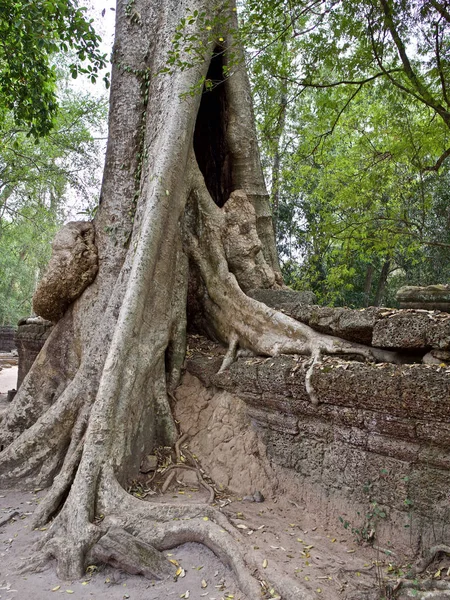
(388,72)
(441,9)
(438,164)
(422,90)
(360,82)
(439,66)
(333,127)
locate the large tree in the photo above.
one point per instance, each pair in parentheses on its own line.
(183,201)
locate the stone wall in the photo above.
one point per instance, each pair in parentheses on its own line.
(375,452)
(7,339)
(380,436)
(30,337)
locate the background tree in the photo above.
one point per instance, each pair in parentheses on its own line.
(32,33)
(42,183)
(366,123)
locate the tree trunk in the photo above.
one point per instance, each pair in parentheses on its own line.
(276,163)
(368,284)
(382,282)
(182,196)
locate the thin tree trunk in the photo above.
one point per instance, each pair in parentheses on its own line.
(368,284)
(276,164)
(382,282)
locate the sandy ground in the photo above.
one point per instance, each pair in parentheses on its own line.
(8,379)
(327,567)
(288,540)
(16,541)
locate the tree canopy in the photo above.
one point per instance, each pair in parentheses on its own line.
(352,106)
(32,33)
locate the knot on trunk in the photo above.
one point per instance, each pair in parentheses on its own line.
(242,245)
(72,267)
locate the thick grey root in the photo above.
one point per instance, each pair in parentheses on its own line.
(126,552)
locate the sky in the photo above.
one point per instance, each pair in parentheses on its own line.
(103,16)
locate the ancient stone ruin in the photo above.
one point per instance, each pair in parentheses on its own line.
(431,297)
(30,337)
(7,342)
(372,457)
(375,452)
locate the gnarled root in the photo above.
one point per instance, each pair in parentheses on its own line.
(238,319)
(134,532)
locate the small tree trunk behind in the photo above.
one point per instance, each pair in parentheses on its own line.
(382,282)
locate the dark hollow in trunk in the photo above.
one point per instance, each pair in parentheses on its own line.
(210,142)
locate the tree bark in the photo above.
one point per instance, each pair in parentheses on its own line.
(96,402)
(382,282)
(368,284)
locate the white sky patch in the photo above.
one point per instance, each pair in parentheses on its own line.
(103,15)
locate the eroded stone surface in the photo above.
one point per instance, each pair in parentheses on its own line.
(379,435)
(219,432)
(242,245)
(30,338)
(72,267)
(413,330)
(7,339)
(431,297)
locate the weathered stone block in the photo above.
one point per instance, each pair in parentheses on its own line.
(431,297)
(30,337)
(7,342)
(414,330)
(389,446)
(380,436)
(274,420)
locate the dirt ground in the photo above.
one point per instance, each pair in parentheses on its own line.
(8,379)
(289,541)
(16,541)
(328,564)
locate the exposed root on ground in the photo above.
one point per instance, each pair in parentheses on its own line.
(422,564)
(134,533)
(171,471)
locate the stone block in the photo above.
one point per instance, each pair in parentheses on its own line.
(7,342)
(30,337)
(431,297)
(413,330)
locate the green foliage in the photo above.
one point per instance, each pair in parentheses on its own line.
(24,252)
(365,532)
(352,110)
(42,184)
(32,33)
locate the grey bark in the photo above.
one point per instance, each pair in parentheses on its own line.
(382,282)
(368,284)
